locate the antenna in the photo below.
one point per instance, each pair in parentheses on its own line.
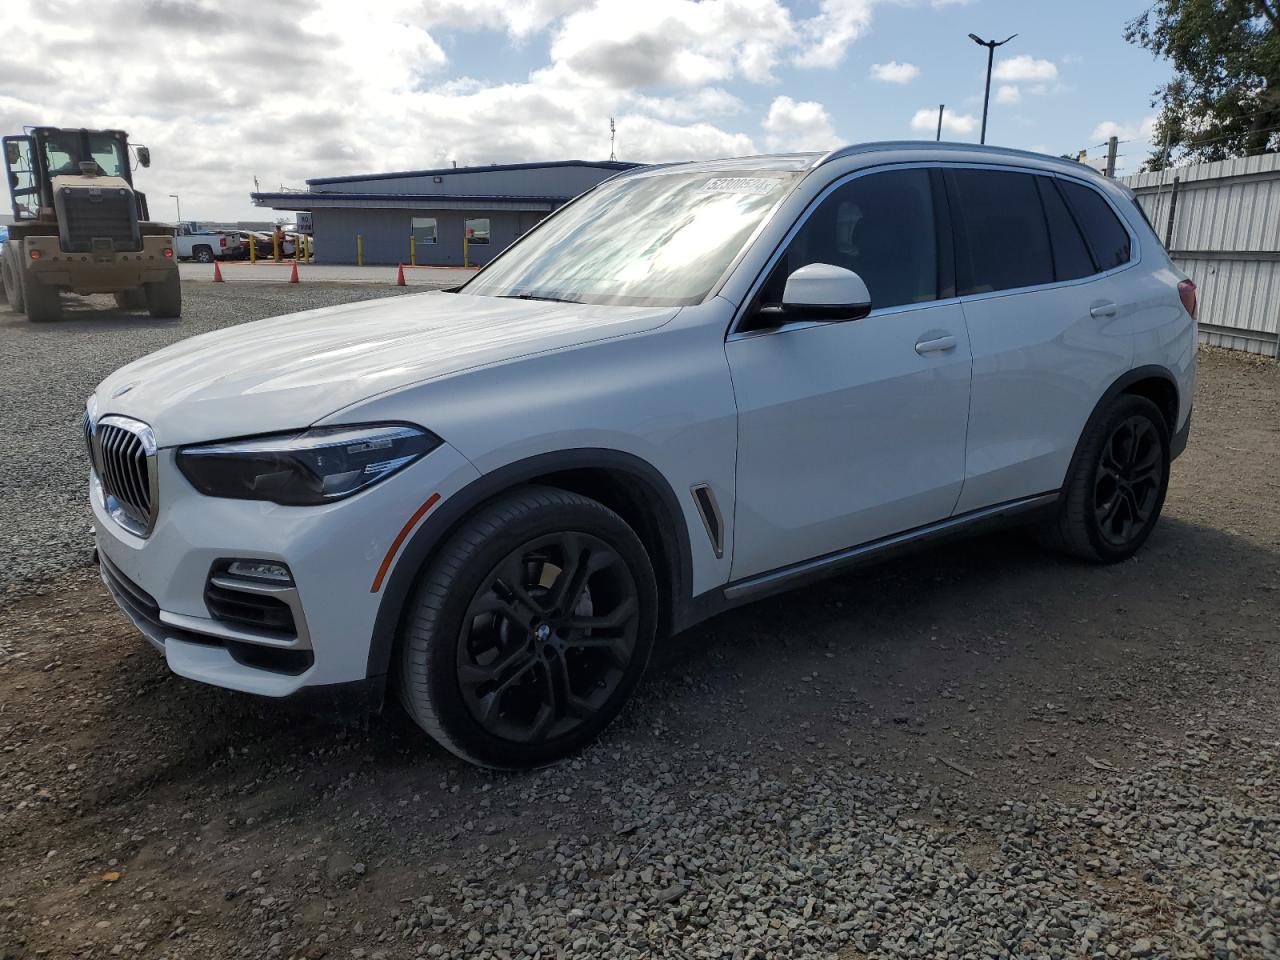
(613,136)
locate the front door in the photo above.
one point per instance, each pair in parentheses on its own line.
(852,431)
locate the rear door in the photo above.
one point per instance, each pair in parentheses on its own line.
(1048,323)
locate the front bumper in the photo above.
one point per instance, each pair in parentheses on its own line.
(100,271)
(161,582)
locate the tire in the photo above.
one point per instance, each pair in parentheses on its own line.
(502,677)
(43,303)
(203,254)
(135,299)
(11,277)
(1116,484)
(164,297)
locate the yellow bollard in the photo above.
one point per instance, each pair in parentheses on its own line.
(275,247)
(359,250)
(465,251)
(253,248)
(310,253)
(413,250)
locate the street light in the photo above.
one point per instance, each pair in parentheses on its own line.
(991,55)
(174,197)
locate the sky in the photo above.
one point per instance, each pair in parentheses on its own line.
(224,93)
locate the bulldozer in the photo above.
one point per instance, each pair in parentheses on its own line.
(80,226)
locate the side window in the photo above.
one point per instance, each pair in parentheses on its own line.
(881,226)
(423,229)
(477,230)
(1071,258)
(1106,235)
(1001,238)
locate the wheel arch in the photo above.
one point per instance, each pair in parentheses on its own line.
(630,486)
(1154,382)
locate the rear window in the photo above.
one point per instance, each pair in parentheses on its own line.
(1104,232)
(1001,238)
(1071,258)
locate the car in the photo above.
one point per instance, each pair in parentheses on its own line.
(693,386)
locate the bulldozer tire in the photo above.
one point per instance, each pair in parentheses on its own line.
(11,278)
(43,304)
(164,297)
(135,299)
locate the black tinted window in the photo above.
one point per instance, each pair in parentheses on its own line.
(1071,258)
(1001,238)
(1106,235)
(881,227)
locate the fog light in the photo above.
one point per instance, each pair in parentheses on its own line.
(260,570)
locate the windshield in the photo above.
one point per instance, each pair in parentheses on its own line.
(63,151)
(650,240)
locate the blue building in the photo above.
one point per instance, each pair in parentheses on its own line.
(431,211)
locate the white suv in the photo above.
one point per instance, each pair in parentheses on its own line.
(692,386)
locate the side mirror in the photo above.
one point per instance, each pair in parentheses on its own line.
(144,156)
(821,291)
(12,153)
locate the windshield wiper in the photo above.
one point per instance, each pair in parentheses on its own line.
(532,296)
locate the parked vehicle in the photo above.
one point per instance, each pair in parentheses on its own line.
(195,241)
(489,502)
(80,226)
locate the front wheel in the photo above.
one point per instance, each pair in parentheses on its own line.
(11,277)
(43,303)
(529,631)
(1116,484)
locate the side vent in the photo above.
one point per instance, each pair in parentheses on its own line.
(709,510)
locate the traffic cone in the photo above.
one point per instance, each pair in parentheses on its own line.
(400,276)
(217,273)
(293,274)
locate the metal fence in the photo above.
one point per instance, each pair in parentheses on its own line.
(1221,224)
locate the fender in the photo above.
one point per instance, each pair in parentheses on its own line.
(439,524)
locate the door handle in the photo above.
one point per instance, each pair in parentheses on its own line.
(935,346)
(1100,310)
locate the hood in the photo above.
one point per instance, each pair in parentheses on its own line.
(288,372)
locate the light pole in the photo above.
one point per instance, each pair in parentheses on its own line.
(178,202)
(991,55)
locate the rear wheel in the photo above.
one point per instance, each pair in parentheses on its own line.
(164,297)
(43,303)
(135,299)
(203,254)
(1116,484)
(529,631)
(12,279)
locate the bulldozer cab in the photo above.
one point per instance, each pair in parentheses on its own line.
(33,159)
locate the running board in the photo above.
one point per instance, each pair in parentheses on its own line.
(785,578)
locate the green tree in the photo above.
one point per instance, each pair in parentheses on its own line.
(1224,99)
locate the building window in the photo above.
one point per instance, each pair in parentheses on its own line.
(423,230)
(477,230)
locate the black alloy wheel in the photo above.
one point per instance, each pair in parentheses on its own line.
(529,629)
(548,637)
(1128,485)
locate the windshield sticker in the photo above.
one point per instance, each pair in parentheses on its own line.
(757,186)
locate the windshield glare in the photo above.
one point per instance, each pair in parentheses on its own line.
(648,240)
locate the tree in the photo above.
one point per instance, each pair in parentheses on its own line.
(1224,99)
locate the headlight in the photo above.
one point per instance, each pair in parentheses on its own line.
(297,469)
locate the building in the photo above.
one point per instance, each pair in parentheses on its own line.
(426,214)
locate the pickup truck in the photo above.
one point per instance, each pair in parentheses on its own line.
(193,241)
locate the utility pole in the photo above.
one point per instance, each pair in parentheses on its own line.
(174,197)
(613,136)
(1112,143)
(941,107)
(991,56)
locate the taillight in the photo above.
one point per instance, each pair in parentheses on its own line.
(1187,294)
(222,241)
(35,254)
(168,252)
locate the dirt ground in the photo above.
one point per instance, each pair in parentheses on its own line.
(147,816)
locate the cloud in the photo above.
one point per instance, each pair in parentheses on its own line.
(798,125)
(1008,93)
(827,35)
(519,18)
(1143,130)
(894,72)
(926,119)
(1025,69)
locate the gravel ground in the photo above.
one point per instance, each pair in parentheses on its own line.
(983,751)
(49,371)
